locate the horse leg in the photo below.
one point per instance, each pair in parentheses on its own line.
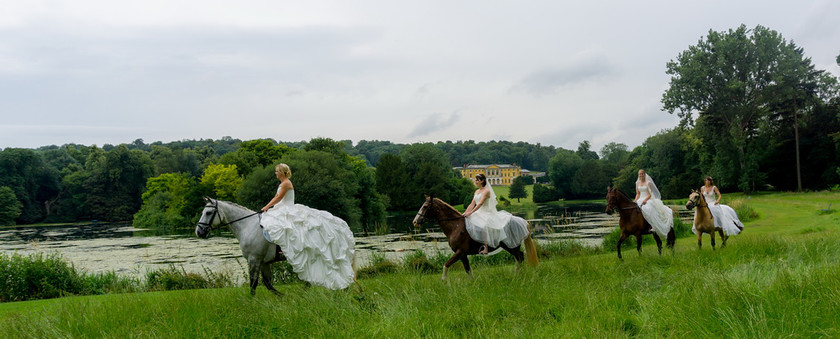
(712,235)
(449,262)
(723,237)
(620,240)
(267,278)
(699,239)
(639,243)
(517,253)
(466,261)
(254,275)
(658,242)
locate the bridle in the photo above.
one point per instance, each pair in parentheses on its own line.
(425,208)
(634,206)
(208,226)
(697,204)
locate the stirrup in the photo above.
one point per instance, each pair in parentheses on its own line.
(485,248)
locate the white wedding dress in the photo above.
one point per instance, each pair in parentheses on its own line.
(658,215)
(725,217)
(490,226)
(317,244)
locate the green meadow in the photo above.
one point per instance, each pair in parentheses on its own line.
(780,278)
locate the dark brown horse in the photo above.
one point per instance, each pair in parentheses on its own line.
(454,226)
(704,222)
(632,222)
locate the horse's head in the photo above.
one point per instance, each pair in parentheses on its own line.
(612,199)
(693,200)
(421,214)
(209,218)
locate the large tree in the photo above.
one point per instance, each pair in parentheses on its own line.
(724,85)
(392,181)
(9,206)
(517,189)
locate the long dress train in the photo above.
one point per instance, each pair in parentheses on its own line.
(317,244)
(658,215)
(725,217)
(490,226)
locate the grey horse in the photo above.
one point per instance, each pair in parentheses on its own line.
(245,225)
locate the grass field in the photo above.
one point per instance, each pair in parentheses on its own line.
(780,278)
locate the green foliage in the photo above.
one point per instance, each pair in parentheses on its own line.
(324,181)
(9,206)
(223,179)
(38,276)
(266,151)
(545,193)
(171,278)
(378,266)
(428,171)
(258,188)
(392,181)
(589,181)
(744,211)
(564,248)
(517,189)
(418,262)
(31,179)
(170,201)
(735,82)
(562,168)
(584,152)
(116,182)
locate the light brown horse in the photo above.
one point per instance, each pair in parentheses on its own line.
(704,222)
(632,222)
(455,228)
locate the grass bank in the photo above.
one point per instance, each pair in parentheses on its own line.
(779,278)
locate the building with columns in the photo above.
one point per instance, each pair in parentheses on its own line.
(497,174)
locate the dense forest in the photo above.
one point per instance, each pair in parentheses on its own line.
(755,114)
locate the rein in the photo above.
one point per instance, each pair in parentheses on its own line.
(423,215)
(215,206)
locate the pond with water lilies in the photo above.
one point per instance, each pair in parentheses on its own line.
(119,247)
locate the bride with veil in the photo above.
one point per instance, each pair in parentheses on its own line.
(489,226)
(650,201)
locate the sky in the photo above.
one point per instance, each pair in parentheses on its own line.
(549,72)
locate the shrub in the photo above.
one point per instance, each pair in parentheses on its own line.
(418,262)
(172,278)
(284,273)
(378,265)
(564,248)
(744,211)
(35,277)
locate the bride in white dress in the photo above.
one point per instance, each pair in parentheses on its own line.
(317,244)
(725,217)
(658,215)
(489,226)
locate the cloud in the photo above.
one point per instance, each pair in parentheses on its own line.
(549,80)
(434,123)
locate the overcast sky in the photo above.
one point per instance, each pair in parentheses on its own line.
(550,72)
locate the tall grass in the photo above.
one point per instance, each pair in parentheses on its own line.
(40,276)
(764,287)
(776,279)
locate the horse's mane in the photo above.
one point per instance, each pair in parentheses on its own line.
(234,204)
(446,205)
(623,195)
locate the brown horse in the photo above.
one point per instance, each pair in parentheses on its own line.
(631,221)
(454,227)
(704,222)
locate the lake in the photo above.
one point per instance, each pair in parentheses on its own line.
(119,247)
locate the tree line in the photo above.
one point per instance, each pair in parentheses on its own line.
(755,115)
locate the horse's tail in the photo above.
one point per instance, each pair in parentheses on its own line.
(531,249)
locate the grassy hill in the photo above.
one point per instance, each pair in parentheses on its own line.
(780,278)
